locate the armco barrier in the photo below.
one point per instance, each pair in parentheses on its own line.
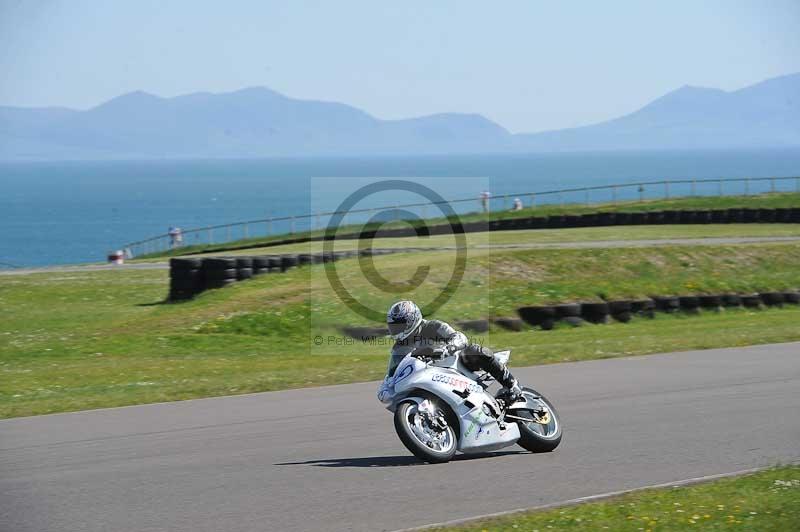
(228,234)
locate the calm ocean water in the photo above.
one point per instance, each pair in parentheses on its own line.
(71,212)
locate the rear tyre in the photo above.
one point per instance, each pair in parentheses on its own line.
(430,444)
(541,434)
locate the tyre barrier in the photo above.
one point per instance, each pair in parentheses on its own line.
(731,300)
(710,302)
(185,264)
(574,321)
(751,301)
(288,261)
(735,216)
(478,326)
(536,316)
(702,217)
(595,312)
(220,283)
(621,310)
(185,278)
(509,324)
(644,307)
(689,304)
(766,216)
(568,310)
(772,299)
(546,317)
(244,262)
(219,275)
(261,263)
(793,298)
(191,275)
(687,217)
(667,303)
(719,217)
(671,217)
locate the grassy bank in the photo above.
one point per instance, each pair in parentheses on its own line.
(543,237)
(71,341)
(769,500)
(765,201)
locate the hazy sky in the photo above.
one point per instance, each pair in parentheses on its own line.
(529,65)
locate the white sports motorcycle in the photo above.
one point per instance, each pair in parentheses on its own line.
(441,407)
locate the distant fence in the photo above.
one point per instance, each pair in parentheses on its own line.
(636,191)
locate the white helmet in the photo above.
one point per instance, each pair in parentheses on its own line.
(403,319)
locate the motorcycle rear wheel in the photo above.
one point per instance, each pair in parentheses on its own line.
(534,436)
(424,442)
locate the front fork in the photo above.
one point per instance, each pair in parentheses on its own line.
(433,417)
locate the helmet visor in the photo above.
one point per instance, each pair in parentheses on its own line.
(397,328)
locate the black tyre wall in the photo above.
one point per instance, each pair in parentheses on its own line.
(666,303)
(595,312)
(288,261)
(751,301)
(216,275)
(536,315)
(219,263)
(184,264)
(567,310)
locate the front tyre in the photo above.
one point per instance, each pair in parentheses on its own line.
(541,432)
(425,429)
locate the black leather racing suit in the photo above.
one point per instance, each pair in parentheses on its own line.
(437,333)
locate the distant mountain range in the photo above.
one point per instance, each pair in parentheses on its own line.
(259,122)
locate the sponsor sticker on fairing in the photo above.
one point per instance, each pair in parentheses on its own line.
(457,384)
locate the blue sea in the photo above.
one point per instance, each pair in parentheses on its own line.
(74,212)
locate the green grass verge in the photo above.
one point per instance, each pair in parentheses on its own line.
(72,341)
(766,201)
(768,501)
(543,237)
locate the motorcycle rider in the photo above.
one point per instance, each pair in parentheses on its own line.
(409,329)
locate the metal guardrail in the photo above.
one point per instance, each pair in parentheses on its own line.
(642,190)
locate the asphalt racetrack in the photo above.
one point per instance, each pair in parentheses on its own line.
(328,458)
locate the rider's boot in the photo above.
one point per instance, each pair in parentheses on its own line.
(511,392)
(480,357)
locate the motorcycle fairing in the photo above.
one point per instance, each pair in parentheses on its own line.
(479,429)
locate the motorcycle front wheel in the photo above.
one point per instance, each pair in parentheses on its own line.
(541,432)
(433,442)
